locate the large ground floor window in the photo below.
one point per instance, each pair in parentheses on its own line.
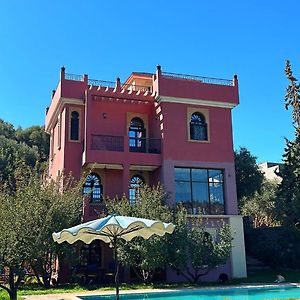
(201,191)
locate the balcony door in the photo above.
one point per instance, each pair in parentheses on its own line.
(137,135)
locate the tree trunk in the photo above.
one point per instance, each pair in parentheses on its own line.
(36,273)
(13,294)
(12,287)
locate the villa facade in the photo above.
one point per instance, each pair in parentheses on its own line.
(163,127)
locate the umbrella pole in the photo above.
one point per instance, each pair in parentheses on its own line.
(116,268)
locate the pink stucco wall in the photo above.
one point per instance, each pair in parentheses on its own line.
(176,143)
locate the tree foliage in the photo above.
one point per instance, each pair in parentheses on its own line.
(193,252)
(292,96)
(22,146)
(190,250)
(249,178)
(28,218)
(144,256)
(261,206)
(288,200)
(12,154)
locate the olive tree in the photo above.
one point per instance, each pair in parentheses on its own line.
(28,217)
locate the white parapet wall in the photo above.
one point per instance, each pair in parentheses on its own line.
(238,256)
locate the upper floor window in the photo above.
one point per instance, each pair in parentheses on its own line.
(201,191)
(74,130)
(93,187)
(135,184)
(137,135)
(198,127)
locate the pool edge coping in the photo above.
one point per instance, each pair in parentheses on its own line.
(168,290)
(76,296)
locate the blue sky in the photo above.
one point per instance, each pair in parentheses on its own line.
(107,39)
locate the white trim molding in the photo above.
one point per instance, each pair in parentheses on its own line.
(202,102)
(60,105)
(105,166)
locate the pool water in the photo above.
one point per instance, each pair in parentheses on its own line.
(212,294)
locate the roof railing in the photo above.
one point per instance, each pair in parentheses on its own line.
(104,83)
(74,77)
(199,78)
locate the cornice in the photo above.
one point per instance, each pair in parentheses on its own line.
(61,103)
(202,102)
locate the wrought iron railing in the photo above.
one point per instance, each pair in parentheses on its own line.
(144,145)
(107,143)
(116,143)
(142,88)
(74,77)
(103,83)
(200,78)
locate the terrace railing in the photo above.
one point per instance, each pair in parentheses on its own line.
(74,77)
(200,78)
(103,83)
(116,143)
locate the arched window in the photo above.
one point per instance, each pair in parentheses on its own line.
(137,135)
(135,184)
(198,127)
(93,187)
(74,131)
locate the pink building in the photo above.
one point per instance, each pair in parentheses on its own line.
(170,128)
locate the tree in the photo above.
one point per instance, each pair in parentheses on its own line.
(249,178)
(288,197)
(144,256)
(30,146)
(28,219)
(292,96)
(190,250)
(35,137)
(193,252)
(12,154)
(261,206)
(7,130)
(288,200)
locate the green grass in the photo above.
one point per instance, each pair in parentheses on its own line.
(258,278)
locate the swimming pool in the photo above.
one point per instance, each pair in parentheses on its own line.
(260,293)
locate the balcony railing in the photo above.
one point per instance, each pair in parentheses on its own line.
(116,143)
(144,145)
(107,143)
(199,78)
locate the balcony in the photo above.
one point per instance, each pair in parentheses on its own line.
(144,145)
(113,152)
(107,143)
(117,143)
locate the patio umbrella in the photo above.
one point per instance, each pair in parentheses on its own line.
(110,229)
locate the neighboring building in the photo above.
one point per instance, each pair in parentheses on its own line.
(271,170)
(163,127)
